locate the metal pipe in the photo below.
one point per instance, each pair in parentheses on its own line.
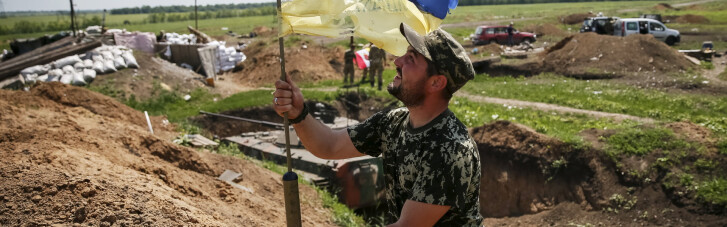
(267,123)
(290,179)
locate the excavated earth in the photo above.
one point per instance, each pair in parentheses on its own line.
(529,179)
(71,156)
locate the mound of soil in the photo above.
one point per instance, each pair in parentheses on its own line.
(65,162)
(264,31)
(545,30)
(663,6)
(532,179)
(575,18)
(154,73)
(593,56)
(309,64)
(691,19)
(492,48)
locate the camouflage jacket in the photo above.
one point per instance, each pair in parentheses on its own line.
(348,58)
(437,163)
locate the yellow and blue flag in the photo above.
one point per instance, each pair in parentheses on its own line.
(375,20)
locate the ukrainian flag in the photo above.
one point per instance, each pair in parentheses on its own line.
(375,20)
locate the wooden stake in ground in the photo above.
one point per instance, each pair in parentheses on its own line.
(290,179)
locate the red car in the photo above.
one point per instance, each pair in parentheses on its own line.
(498,34)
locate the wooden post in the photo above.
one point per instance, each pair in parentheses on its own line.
(290,179)
(73,24)
(195,15)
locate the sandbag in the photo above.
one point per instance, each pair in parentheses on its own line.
(53,78)
(70,60)
(55,73)
(68,69)
(97,57)
(30,78)
(78,79)
(67,78)
(79,66)
(87,64)
(89,75)
(119,63)
(38,69)
(116,52)
(42,78)
(130,60)
(108,66)
(107,55)
(98,67)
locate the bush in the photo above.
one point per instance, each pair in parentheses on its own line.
(714,192)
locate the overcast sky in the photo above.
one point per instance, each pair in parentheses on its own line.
(43,5)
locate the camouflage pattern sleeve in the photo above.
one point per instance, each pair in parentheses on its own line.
(366,136)
(446,176)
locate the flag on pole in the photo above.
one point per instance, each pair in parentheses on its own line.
(362,58)
(375,20)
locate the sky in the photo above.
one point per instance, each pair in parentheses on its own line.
(45,5)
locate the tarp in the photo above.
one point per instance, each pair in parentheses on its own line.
(143,41)
(375,20)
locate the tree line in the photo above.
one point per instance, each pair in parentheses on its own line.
(505,2)
(174,17)
(184,9)
(25,26)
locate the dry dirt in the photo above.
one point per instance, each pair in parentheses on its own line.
(152,71)
(593,56)
(575,18)
(533,180)
(663,6)
(71,156)
(545,30)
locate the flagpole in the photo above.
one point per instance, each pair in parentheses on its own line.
(290,179)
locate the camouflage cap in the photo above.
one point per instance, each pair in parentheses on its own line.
(447,55)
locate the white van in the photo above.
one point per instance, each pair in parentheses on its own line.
(628,26)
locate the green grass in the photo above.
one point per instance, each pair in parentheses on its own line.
(342,215)
(714,192)
(601,95)
(562,126)
(723,75)
(640,142)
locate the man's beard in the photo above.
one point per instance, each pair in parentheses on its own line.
(410,97)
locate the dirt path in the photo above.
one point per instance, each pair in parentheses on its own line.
(551,107)
(713,74)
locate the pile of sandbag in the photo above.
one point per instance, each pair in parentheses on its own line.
(174,38)
(82,69)
(227,57)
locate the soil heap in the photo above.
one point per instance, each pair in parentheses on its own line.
(71,156)
(545,30)
(691,19)
(575,18)
(304,62)
(663,6)
(534,180)
(593,56)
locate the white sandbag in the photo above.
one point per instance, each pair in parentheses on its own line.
(67,78)
(68,69)
(130,60)
(70,60)
(119,63)
(98,67)
(53,78)
(87,64)
(108,66)
(107,55)
(78,79)
(89,75)
(30,78)
(79,66)
(38,69)
(97,57)
(55,73)
(42,78)
(116,52)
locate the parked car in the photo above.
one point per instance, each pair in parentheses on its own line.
(498,34)
(629,26)
(599,25)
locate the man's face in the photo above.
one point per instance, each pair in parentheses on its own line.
(411,75)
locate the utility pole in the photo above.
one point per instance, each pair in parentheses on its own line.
(195,15)
(2,10)
(73,23)
(103,20)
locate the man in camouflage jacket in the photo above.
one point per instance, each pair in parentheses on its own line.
(431,164)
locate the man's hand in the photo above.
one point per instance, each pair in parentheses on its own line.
(420,214)
(287,98)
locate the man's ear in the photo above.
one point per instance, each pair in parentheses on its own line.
(436,83)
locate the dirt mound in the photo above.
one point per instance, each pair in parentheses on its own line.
(146,82)
(263,31)
(69,163)
(663,6)
(575,18)
(593,56)
(492,48)
(309,64)
(691,19)
(545,30)
(525,172)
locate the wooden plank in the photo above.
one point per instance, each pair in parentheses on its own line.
(209,59)
(50,47)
